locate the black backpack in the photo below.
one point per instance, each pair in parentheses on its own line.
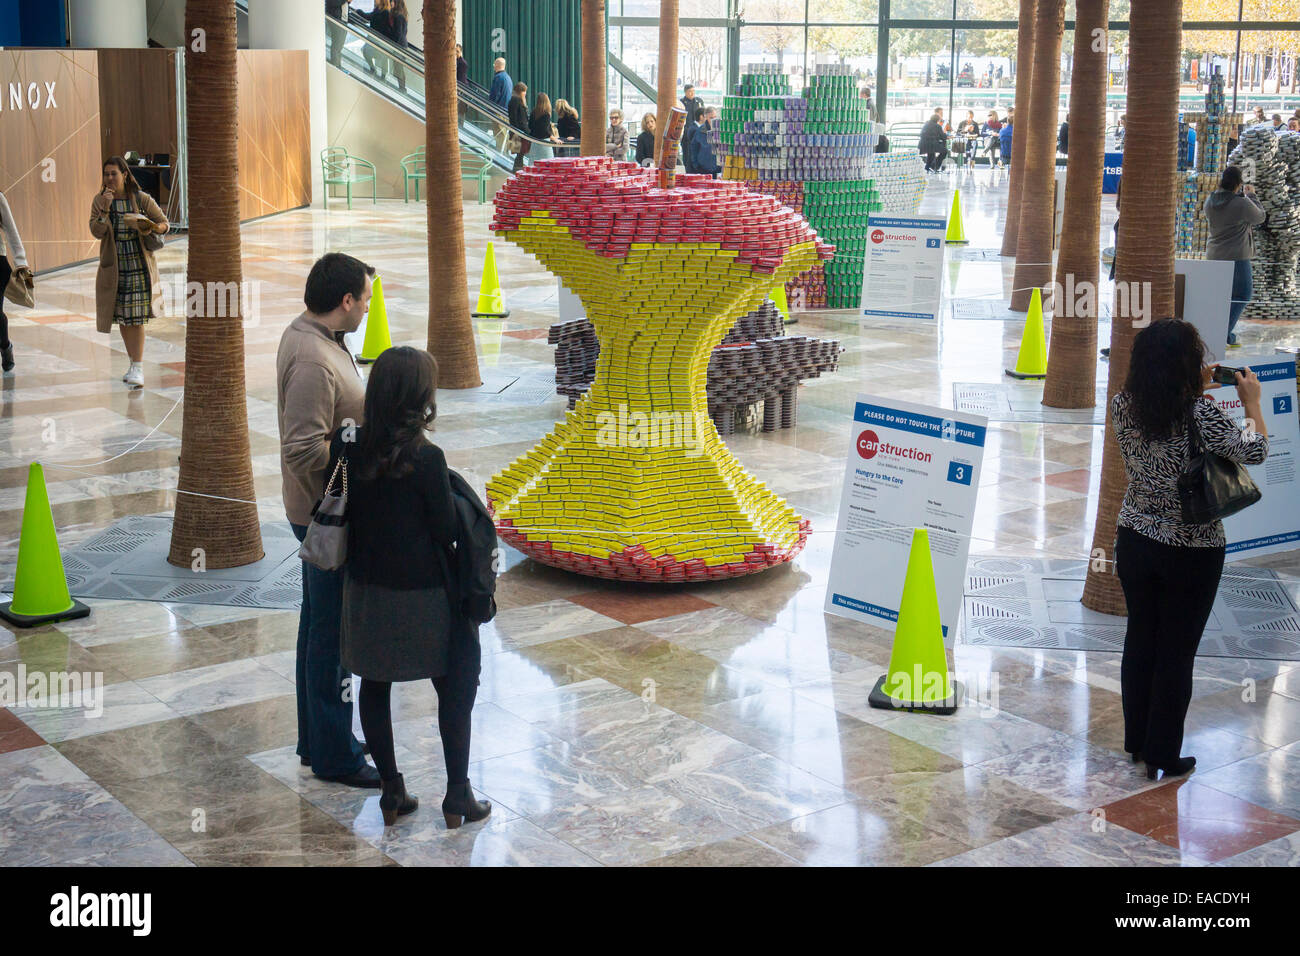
(473,578)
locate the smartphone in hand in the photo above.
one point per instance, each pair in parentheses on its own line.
(1225,374)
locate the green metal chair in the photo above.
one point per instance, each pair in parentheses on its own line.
(905,137)
(339,168)
(414,168)
(476,164)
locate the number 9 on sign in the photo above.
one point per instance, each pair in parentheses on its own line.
(959,472)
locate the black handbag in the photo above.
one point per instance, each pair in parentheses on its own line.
(1212,487)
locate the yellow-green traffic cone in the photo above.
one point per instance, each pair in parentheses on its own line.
(1032,360)
(956,233)
(777,295)
(918,677)
(377,335)
(40,586)
(491,300)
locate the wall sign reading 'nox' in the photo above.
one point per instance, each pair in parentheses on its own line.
(910,466)
(30,96)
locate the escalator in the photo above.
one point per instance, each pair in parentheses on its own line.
(396,76)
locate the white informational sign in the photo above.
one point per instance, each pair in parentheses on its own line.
(910,466)
(570,304)
(1273,522)
(902,273)
(1206,299)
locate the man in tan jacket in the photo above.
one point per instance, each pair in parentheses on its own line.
(318,391)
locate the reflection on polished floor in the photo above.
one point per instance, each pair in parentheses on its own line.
(721,723)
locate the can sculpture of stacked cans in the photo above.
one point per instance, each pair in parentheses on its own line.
(635,483)
(816,154)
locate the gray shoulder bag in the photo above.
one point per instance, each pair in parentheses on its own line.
(326,543)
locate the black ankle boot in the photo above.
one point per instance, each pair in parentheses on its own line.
(7,357)
(394,801)
(1176,769)
(459,806)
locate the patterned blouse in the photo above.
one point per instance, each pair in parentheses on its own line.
(1151,506)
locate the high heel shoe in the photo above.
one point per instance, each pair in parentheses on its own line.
(394,802)
(459,806)
(1176,769)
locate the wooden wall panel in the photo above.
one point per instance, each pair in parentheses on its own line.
(137,101)
(274,132)
(51,203)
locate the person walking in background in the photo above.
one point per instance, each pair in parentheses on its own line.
(616,137)
(993,130)
(1169,569)
(9,238)
(318,391)
(462,65)
(569,126)
(400,606)
(519,121)
(334,30)
(1233,212)
(396,32)
(1063,137)
(541,126)
(500,90)
(933,143)
(645,141)
(703,158)
(128,292)
(690,102)
(692,127)
(378,18)
(871,104)
(1005,136)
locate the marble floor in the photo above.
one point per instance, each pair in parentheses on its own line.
(718,723)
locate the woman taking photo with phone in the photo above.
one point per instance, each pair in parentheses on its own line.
(128,293)
(1233,212)
(398,620)
(1169,568)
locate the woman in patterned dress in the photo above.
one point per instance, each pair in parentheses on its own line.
(1169,568)
(127,289)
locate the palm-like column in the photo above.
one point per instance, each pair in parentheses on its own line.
(1020,129)
(451,332)
(593,77)
(667,98)
(1144,249)
(216,519)
(1034,241)
(1072,360)
(635,482)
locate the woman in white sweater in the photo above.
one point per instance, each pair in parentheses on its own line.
(11,242)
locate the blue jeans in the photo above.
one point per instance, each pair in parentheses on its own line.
(324,717)
(1243,287)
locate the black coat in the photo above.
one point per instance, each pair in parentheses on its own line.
(645,146)
(397,620)
(539,125)
(518,114)
(569,127)
(932,139)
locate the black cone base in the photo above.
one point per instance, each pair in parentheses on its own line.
(882,701)
(1024,375)
(490,315)
(36,620)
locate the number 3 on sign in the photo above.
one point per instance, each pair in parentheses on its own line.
(959,472)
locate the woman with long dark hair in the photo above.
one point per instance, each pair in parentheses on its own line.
(1169,569)
(128,292)
(398,618)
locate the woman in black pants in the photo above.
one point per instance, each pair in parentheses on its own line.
(398,623)
(1169,569)
(9,238)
